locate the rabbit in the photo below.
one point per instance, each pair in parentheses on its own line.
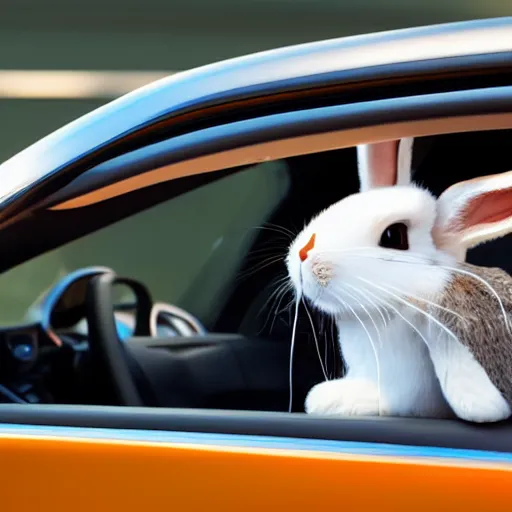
(422,333)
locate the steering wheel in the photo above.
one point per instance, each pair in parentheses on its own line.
(106,348)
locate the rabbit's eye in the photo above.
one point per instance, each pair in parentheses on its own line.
(395,237)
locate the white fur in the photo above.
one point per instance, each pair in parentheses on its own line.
(465,384)
(408,384)
(345,397)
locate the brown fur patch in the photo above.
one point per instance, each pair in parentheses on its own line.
(484,330)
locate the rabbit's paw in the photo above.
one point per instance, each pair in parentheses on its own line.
(346,397)
(466,386)
(476,399)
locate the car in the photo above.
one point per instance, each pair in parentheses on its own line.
(163,380)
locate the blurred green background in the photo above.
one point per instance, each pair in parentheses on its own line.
(163,36)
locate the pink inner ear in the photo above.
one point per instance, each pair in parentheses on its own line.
(383,161)
(488,208)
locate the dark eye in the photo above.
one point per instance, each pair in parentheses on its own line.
(395,237)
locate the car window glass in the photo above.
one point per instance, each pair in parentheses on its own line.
(196,239)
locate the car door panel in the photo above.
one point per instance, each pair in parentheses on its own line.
(108,469)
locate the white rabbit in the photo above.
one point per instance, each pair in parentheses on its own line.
(388,264)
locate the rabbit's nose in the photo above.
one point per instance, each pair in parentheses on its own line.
(303,253)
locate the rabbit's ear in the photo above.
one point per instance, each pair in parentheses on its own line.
(384,164)
(474,211)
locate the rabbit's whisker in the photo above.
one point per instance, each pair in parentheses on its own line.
(476,277)
(376,306)
(322,332)
(412,296)
(363,307)
(281,284)
(292,347)
(328,334)
(275,299)
(315,337)
(377,361)
(328,342)
(282,231)
(287,288)
(489,287)
(334,346)
(280,228)
(274,250)
(267,262)
(290,303)
(412,306)
(426,301)
(397,312)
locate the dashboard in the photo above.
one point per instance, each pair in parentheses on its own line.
(48,359)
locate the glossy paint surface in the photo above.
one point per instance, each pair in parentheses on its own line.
(103,469)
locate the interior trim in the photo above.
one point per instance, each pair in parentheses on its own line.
(398,431)
(280,149)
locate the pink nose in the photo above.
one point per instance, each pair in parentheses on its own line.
(303,253)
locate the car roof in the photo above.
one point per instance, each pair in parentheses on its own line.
(290,68)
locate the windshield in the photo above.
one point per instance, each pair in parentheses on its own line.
(187,250)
